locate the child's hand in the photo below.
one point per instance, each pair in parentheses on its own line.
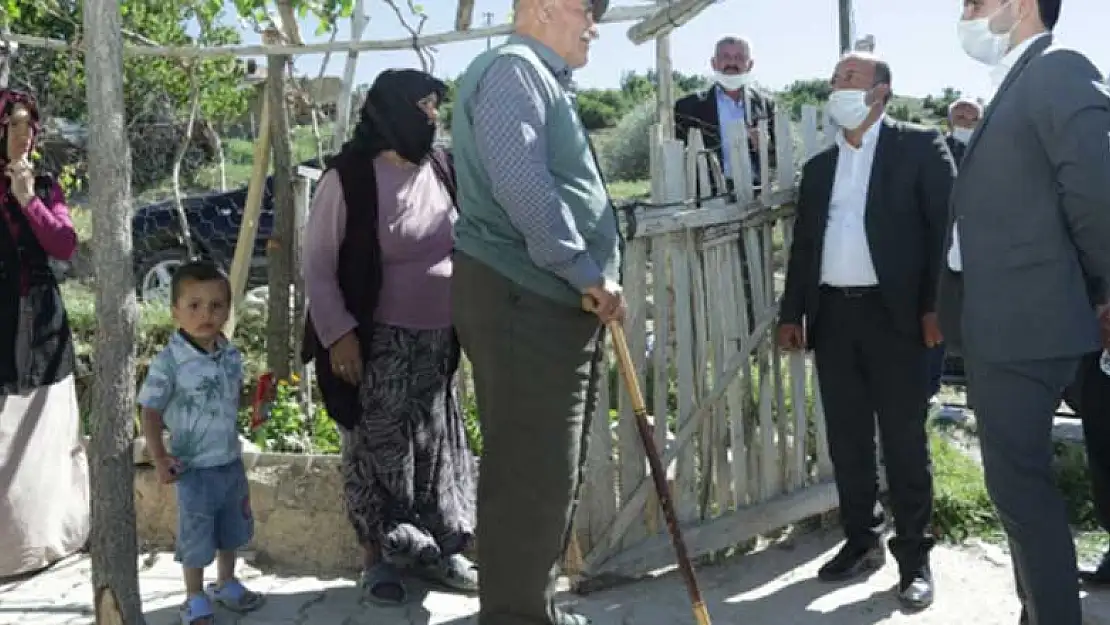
(168,469)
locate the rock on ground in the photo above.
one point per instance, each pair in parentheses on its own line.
(774,587)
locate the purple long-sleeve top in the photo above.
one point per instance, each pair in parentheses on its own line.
(50,223)
(415,224)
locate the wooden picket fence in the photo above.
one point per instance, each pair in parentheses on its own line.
(744,436)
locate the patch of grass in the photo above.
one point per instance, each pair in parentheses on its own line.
(82,222)
(1075,483)
(629,189)
(962,508)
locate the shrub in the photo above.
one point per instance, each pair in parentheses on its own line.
(602,108)
(288,429)
(625,153)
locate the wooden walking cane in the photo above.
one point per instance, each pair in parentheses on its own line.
(658,475)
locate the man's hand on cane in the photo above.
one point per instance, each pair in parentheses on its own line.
(608,302)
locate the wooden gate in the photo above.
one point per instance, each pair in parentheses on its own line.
(744,435)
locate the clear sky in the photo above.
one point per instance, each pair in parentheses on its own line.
(793,39)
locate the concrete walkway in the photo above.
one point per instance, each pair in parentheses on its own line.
(774,587)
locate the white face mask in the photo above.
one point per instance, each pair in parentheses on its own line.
(848,108)
(980,42)
(963,135)
(733,82)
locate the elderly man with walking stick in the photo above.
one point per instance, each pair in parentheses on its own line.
(536,233)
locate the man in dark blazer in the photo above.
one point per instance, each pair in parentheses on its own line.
(730,100)
(1090,398)
(963,116)
(860,288)
(1031,213)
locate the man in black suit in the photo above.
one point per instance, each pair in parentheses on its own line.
(963,116)
(731,99)
(860,291)
(1090,397)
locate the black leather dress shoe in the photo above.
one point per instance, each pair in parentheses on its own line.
(915,588)
(852,561)
(1099,576)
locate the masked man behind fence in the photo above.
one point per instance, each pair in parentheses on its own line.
(535,234)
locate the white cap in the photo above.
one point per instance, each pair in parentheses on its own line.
(968,101)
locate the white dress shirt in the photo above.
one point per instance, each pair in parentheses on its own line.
(846,256)
(998,76)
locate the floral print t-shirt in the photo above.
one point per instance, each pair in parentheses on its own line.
(197,394)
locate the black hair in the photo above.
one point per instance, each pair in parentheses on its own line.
(1050,12)
(883,77)
(197,271)
(9,98)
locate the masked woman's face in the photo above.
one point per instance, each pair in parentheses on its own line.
(430,105)
(19,134)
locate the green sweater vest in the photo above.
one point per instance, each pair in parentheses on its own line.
(483,230)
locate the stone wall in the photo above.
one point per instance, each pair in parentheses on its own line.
(300,518)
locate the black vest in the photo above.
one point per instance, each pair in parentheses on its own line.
(359,276)
(52,355)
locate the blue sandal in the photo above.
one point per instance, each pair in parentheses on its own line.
(407,545)
(455,572)
(383,585)
(234,596)
(196,610)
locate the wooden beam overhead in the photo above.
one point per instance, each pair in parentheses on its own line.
(668,16)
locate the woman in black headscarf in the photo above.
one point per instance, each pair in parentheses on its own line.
(377,270)
(41,449)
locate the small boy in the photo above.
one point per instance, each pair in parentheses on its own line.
(192,390)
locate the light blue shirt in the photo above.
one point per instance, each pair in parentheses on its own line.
(197,394)
(729,112)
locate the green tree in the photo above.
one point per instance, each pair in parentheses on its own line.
(813,91)
(901,111)
(156,89)
(447,107)
(639,87)
(937,105)
(602,108)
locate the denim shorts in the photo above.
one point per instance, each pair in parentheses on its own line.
(213,513)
